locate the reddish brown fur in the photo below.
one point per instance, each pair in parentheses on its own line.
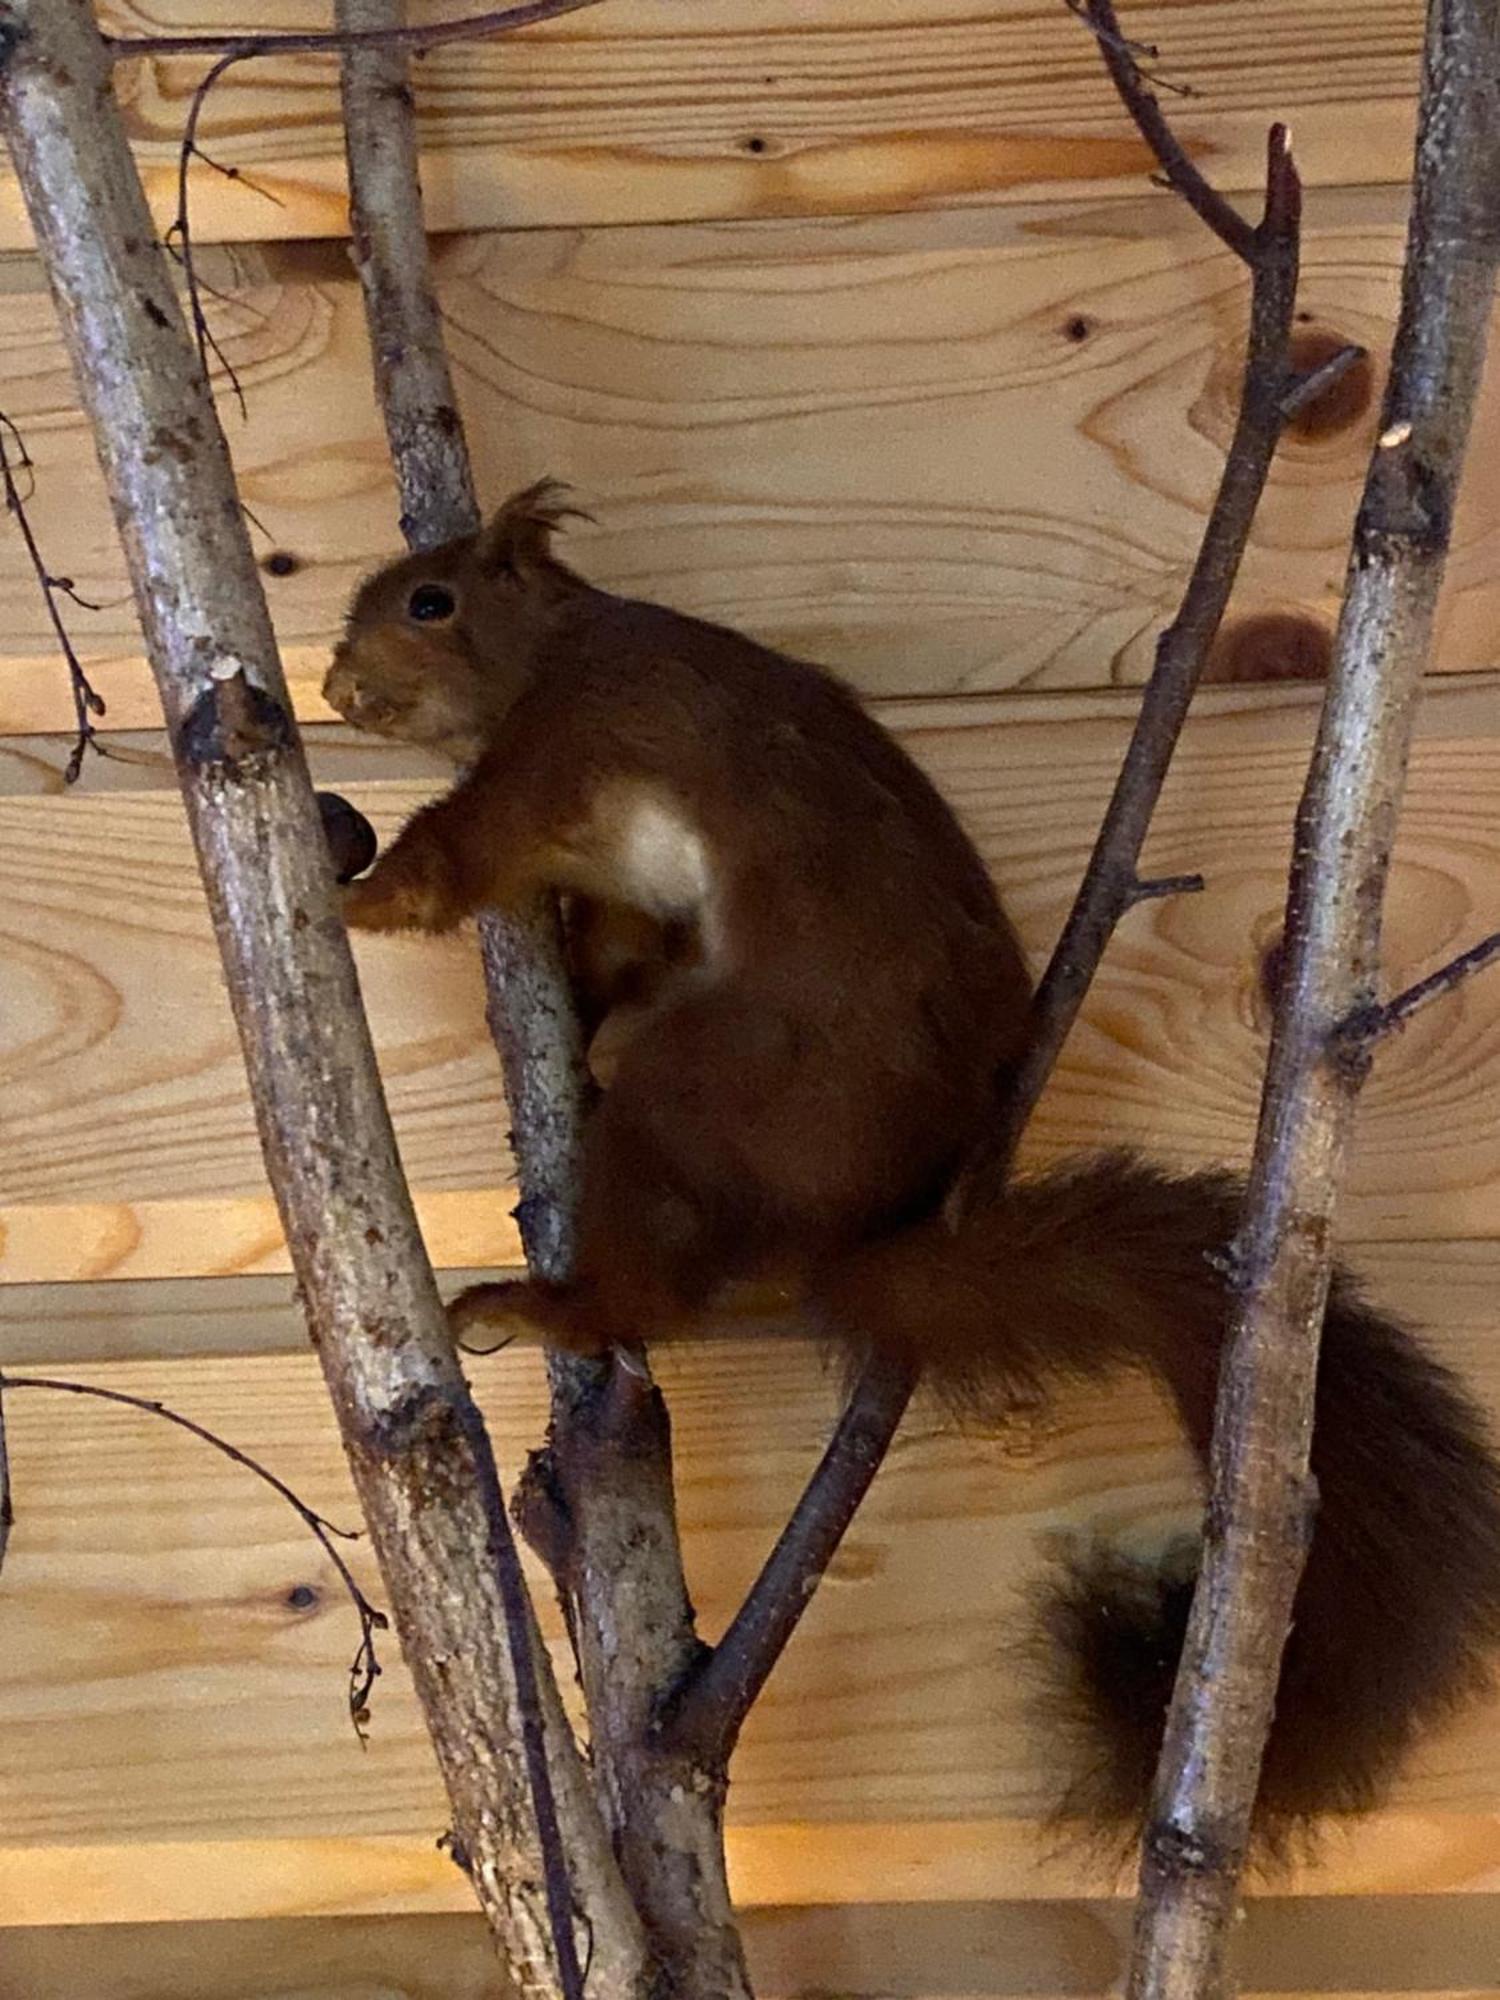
(803,1040)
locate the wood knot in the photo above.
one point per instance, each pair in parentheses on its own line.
(1271,646)
(234,728)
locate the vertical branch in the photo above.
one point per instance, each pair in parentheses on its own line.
(418,1452)
(604,1481)
(1261,1500)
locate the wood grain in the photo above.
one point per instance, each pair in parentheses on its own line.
(757,107)
(171,1686)
(129,1144)
(1290,1949)
(943,453)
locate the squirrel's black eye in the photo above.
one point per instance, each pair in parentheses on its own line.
(430,603)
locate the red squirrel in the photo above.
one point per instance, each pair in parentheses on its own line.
(811,994)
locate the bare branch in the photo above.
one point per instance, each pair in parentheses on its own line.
(365,1667)
(1318,381)
(1110,883)
(611,1529)
(1177,168)
(711,1708)
(415,393)
(420,1458)
(1367,1025)
(1157,888)
(87,701)
(7,1499)
(1261,1497)
(468,28)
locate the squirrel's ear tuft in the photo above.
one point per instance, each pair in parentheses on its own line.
(518,535)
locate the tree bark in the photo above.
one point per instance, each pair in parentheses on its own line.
(599,1498)
(1261,1501)
(419,1453)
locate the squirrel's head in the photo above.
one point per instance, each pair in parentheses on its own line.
(437,647)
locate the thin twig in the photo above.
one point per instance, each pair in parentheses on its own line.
(179,236)
(468,28)
(365,1667)
(1110,884)
(7,1498)
(1318,381)
(87,701)
(1360,1031)
(1156,888)
(1177,168)
(1134,50)
(1261,1498)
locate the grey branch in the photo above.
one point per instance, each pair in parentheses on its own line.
(618,1562)
(1260,1491)
(419,1455)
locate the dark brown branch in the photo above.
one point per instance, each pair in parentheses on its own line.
(7,1498)
(711,1708)
(1261,1498)
(1110,883)
(413,40)
(1156,888)
(1370,1024)
(365,1667)
(417,1450)
(612,1541)
(87,701)
(710,1712)
(1306,389)
(1177,168)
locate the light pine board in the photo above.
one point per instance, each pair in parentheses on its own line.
(176,1743)
(642,110)
(1009,1950)
(939,453)
(129,1146)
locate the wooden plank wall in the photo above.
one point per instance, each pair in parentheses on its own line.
(855,323)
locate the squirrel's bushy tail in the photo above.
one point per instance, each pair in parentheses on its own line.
(1110,1265)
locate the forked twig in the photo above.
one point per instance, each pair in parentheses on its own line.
(87,701)
(365,1667)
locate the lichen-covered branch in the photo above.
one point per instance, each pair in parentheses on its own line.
(420,1456)
(605,1476)
(1261,1501)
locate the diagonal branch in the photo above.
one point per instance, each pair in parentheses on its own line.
(420,1458)
(1172,156)
(711,1708)
(607,1468)
(1261,1497)
(1365,1026)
